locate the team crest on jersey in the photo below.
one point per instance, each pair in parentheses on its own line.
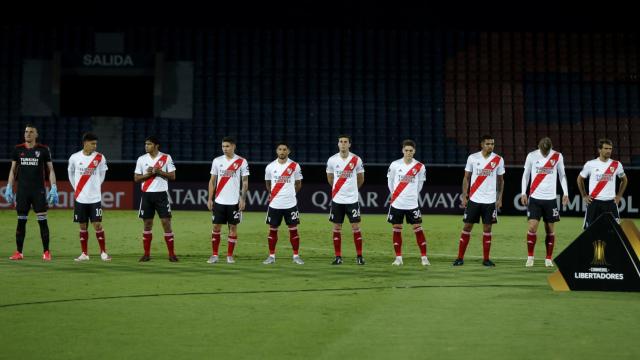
(553,162)
(235,166)
(611,168)
(37,153)
(350,165)
(160,163)
(493,164)
(289,171)
(95,162)
(414,171)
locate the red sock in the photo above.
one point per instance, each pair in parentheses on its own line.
(295,239)
(397,241)
(231,244)
(101,240)
(147,236)
(215,242)
(357,240)
(421,240)
(84,240)
(465,236)
(273,239)
(337,242)
(168,238)
(531,242)
(486,245)
(550,241)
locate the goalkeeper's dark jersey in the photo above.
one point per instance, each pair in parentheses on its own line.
(31,169)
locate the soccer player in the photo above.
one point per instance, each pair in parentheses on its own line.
(544,166)
(484,171)
(30,161)
(283,179)
(229,183)
(87,169)
(345,174)
(154,170)
(602,172)
(405,179)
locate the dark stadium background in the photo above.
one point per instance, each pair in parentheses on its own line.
(306,71)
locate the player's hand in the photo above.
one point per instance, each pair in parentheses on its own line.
(52,199)
(150,170)
(499,204)
(210,204)
(241,205)
(463,201)
(587,199)
(269,198)
(523,199)
(565,199)
(617,199)
(8,194)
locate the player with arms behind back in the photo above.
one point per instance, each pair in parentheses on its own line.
(405,179)
(228,187)
(345,174)
(482,188)
(283,179)
(87,169)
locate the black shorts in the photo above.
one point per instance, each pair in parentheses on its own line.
(36,198)
(396,216)
(82,213)
(226,214)
(474,211)
(338,212)
(545,209)
(599,207)
(153,202)
(291,216)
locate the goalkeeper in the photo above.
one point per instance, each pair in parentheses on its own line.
(30,161)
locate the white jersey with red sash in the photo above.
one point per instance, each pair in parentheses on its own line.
(602,178)
(86,174)
(405,182)
(345,180)
(162,161)
(229,173)
(484,173)
(283,178)
(544,172)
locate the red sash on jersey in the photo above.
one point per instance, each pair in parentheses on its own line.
(87,174)
(157,165)
(602,183)
(415,170)
(539,177)
(276,189)
(481,178)
(233,167)
(342,179)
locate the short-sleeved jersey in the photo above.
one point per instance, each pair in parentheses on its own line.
(597,171)
(87,166)
(484,176)
(31,165)
(543,172)
(347,169)
(285,174)
(229,173)
(410,178)
(158,184)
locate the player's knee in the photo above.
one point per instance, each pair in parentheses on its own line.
(337,227)
(97,226)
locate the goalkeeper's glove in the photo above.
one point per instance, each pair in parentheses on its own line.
(8,194)
(53,195)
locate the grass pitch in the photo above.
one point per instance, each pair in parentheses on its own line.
(190,309)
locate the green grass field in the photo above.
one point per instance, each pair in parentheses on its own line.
(157,310)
